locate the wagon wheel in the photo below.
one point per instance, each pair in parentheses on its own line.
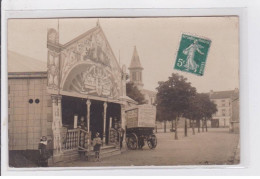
(152,141)
(132,141)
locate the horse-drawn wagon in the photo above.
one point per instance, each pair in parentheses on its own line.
(140,122)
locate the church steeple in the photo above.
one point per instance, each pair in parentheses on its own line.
(136,69)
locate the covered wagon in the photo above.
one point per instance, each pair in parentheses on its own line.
(140,123)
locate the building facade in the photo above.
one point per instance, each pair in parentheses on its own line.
(224,101)
(81,92)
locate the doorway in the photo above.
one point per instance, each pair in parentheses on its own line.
(114,112)
(72,106)
(96,118)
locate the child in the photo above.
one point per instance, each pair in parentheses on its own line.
(97,144)
(44,155)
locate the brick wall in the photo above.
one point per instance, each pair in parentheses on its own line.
(30,112)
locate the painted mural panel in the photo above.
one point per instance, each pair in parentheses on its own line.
(87,66)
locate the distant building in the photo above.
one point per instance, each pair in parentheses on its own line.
(235,122)
(136,77)
(225,106)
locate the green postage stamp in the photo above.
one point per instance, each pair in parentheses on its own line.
(192,54)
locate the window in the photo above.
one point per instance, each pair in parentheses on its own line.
(134,76)
(9,89)
(223,104)
(137,76)
(8,103)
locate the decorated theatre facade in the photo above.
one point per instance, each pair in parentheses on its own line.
(83,92)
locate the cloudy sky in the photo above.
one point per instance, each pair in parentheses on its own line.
(156,39)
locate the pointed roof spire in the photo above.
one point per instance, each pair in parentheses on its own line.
(135,62)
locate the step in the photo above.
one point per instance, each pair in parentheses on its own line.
(107,147)
(70,155)
(104,153)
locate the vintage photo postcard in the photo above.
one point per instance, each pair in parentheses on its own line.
(105,92)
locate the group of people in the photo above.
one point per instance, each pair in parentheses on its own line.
(97,143)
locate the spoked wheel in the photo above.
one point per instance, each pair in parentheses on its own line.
(152,141)
(132,141)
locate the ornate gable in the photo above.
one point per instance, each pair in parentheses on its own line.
(88,66)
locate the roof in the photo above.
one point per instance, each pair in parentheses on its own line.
(21,63)
(221,94)
(135,62)
(128,99)
(149,92)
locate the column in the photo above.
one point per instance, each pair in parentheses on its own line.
(56,128)
(104,122)
(88,122)
(54,107)
(59,109)
(88,114)
(109,129)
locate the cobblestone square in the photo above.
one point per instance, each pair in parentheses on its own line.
(215,147)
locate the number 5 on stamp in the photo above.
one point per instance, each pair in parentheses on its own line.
(192,54)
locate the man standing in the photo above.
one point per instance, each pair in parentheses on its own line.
(121,133)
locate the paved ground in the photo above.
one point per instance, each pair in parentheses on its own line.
(217,146)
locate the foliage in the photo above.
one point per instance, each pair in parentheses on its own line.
(201,107)
(208,107)
(133,92)
(173,97)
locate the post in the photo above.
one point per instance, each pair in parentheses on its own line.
(164,126)
(88,119)
(109,127)
(104,122)
(206,125)
(198,123)
(172,126)
(193,130)
(176,132)
(202,123)
(123,125)
(185,130)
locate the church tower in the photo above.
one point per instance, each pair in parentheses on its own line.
(135,70)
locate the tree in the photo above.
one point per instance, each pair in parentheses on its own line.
(208,109)
(173,98)
(133,92)
(201,109)
(163,115)
(194,113)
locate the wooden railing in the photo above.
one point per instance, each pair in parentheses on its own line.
(113,136)
(72,139)
(76,139)
(83,139)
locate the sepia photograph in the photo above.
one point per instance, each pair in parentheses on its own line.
(106,92)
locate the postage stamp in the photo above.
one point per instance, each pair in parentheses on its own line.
(192,54)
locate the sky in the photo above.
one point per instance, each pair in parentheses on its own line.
(156,39)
